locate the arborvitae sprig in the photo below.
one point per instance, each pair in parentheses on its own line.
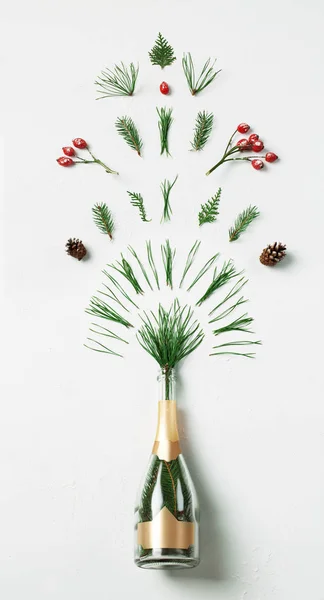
(162,53)
(99,308)
(165,120)
(138,202)
(166,187)
(189,261)
(226,273)
(168,258)
(103,218)
(242,222)
(209,211)
(203,129)
(119,81)
(128,130)
(125,269)
(206,76)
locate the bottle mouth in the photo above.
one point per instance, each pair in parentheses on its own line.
(166,372)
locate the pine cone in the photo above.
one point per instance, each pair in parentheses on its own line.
(273,254)
(75,248)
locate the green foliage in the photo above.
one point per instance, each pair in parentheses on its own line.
(138,202)
(99,308)
(168,257)
(242,222)
(202,130)
(125,269)
(166,187)
(189,261)
(206,76)
(140,264)
(162,53)
(204,270)
(128,131)
(152,263)
(233,344)
(103,219)
(227,272)
(165,120)
(240,324)
(209,211)
(119,81)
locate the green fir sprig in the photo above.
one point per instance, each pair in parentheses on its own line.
(165,120)
(119,81)
(209,210)
(124,268)
(166,187)
(206,77)
(242,222)
(162,54)
(138,202)
(168,256)
(103,219)
(129,132)
(190,259)
(203,128)
(226,273)
(100,308)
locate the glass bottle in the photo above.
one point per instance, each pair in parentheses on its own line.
(167,511)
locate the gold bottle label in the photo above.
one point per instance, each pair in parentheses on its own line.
(166,445)
(165,531)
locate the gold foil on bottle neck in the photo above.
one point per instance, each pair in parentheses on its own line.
(165,531)
(166,445)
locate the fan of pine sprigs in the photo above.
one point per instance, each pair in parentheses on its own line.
(162,53)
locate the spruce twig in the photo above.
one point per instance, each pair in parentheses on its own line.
(125,269)
(227,272)
(165,120)
(119,81)
(204,270)
(202,130)
(140,264)
(189,261)
(152,263)
(240,324)
(128,131)
(138,202)
(209,210)
(162,53)
(103,219)
(166,187)
(99,308)
(206,76)
(168,258)
(242,222)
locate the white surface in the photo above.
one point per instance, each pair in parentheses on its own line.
(76,427)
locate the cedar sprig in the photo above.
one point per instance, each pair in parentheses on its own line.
(100,308)
(119,81)
(129,132)
(240,324)
(166,187)
(237,343)
(165,120)
(190,259)
(242,222)
(150,259)
(103,219)
(124,268)
(226,273)
(209,210)
(168,256)
(205,78)
(202,130)
(138,202)
(162,53)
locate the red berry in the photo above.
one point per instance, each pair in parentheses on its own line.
(243,127)
(257,146)
(243,144)
(253,137)
(65,162)
(68,151)
(271,157)
(79,143)
(257,164)
(164,88)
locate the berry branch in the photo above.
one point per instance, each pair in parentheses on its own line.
(69,152)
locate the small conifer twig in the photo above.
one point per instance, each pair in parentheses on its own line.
(166,187)
(103,219)
(100,330)
(235,289)
(205,78)
(125,269)
(189,261)
(236,343)
(100,308)
(129,132)
(102,348)
(209,210)
(168,258)
(228,310)
(119,81)
(119,288)
(152,263)
(204,270)
(202,130)
(162,53)
(242,221)
(140,264)
(240,324)
(138,202)
(165,120)
(227,272)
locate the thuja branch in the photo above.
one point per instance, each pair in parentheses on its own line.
(166,187)
(242,222)
(138,202)
(128,131)
(165,120)
(209,211)
(202,131)
(162,53)
(103,219)
(119,81)
(207,75)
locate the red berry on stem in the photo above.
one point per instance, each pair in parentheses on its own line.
(79,143)
(68,151)
(257,146)
(243,144)
(271,157)
(243,128)
(257,164)
(253,137)
(164,88)
(65,162)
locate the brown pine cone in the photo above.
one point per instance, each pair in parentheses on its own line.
(273,254)
(75,248)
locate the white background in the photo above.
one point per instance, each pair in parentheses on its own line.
(76,427)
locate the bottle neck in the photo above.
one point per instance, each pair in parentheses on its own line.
(167,384)
(166,445)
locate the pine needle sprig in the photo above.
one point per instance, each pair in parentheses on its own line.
(100,330)
(119,81)
(140,264)
(138,202)
(204,270)
(168,256)
(112,296)
(125,269)
(240,324)
(102,348)
(235,289)
(203,128)
(227,272)
(242,222)
(228,310)
(119,288)
(209,210)
(103,219)
(165,120)
(205,78)
(100,308)
(237,343)
(129,132)
(190,260)
(166,187)
(152,263)
(162,53)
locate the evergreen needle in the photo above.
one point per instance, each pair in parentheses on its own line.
(165,120)
(202,130)
(242,222)
(209,211)
(125,269)
(162,53)
(166,187)
(138,202)
(206,76)
(119,288)
(168,258)
(102,348)
(103,218)
(119,81)
(128,130)
(204,270)
(235,289)
(100,330)
(99,308)
(152,263)
(240,324)
(227,272)
(228,310)
(139,262)
(189,261)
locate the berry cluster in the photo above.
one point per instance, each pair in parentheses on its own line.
(250,144)
(69,152)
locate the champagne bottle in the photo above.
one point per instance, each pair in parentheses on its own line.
(167,511)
